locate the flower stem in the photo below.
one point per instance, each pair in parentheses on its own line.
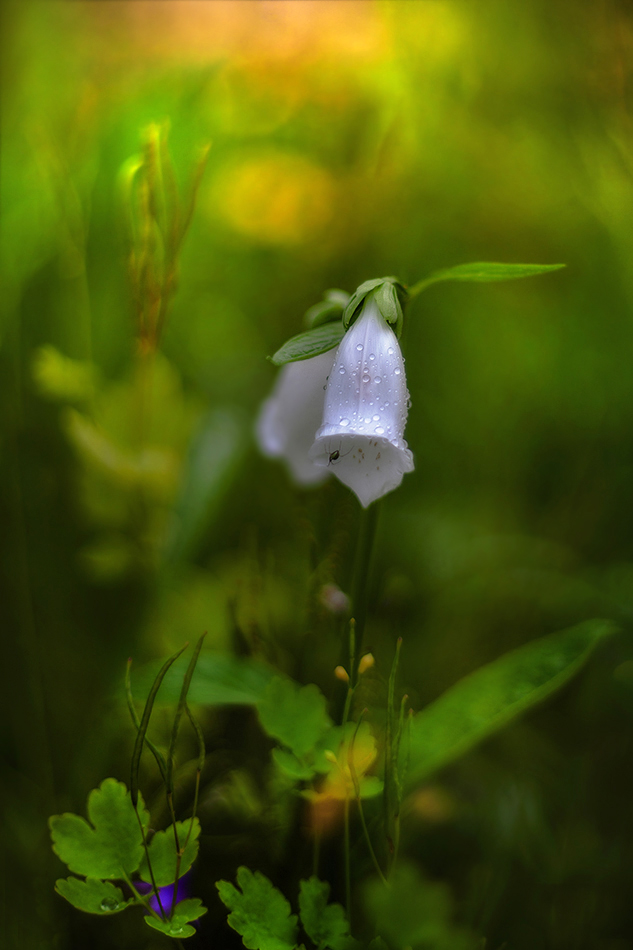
(360,578)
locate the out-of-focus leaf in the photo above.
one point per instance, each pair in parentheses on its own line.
(311,343)
(113,846)
(484,272)
(218,680)
(93,896)
(162,853)
(260,913)
(215,452)
(414,912)
(325,924)
(487,699)
(59,377)
(295,715)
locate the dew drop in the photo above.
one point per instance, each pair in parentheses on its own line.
(376,418)
(342,371)
(365,378)
(372,356)
(359,347)
(344,422)
(396,371)
(174,931)
(109,904)
(379,430)
(390,351)
(377,379)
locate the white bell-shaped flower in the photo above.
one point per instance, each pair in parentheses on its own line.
(361,439)
(291,415)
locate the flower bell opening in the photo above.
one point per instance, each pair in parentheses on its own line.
(361,438)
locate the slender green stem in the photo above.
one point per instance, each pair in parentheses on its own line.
(362,563)
(356,783)
(316,853)
(348,877)
(421,285)
(149,863)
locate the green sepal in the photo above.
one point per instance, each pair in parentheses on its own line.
(110,847)
(162,853)
(390,296)
(311,343)
(330,308)
(93,896)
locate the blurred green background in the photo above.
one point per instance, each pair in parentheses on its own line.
(349,139)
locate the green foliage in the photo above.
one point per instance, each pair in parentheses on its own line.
(178,924)
(58,377)
(295,715)
(414,913)
(93,896)
(260,913)
(304,346)
(390,297)
(484,272)
(493,695)
(162,853)
(325,924)
(218,680)
(329,309)
(113,846)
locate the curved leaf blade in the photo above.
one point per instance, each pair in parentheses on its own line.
(311,343)
(486,700)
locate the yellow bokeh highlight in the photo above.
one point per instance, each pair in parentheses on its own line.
(276,198)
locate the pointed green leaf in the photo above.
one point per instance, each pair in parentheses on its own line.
(260,913)
(325,924)
(492,696)
(304,346)
(113,845)
(295,715)
(93,896)
(217,680)
(483,272)
(162,853)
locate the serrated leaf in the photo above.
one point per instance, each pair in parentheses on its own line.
(93,896)
(325,924)
(173,928)
(487,271)
(113,845)
(162,853)
(492,696)
(190,909)
(295,715)
(311,343)
(414,912)
(260,913)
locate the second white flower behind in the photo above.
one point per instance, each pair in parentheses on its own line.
(361,439)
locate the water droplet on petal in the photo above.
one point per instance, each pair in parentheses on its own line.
(359,347)
(376,418)
(377,379)
(379,430)
(365,378)
(396,371)
(344,422)
(372,356)
(108,904)
(342,371)
(390,351)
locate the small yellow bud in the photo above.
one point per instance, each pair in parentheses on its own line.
(329,755)
(341,674)
(366,663)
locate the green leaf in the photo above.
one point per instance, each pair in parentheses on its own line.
(492,696)
(176,927)
(358,297)
(190,909)
(483,272)
(113,846)
(331,308)
(291,766)
(93,896)
(311,343)
(325,924)
(162,853)
(295,715)
(414,912)
(260,913)
(217,680)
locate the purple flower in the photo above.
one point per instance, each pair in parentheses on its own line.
(167,897)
